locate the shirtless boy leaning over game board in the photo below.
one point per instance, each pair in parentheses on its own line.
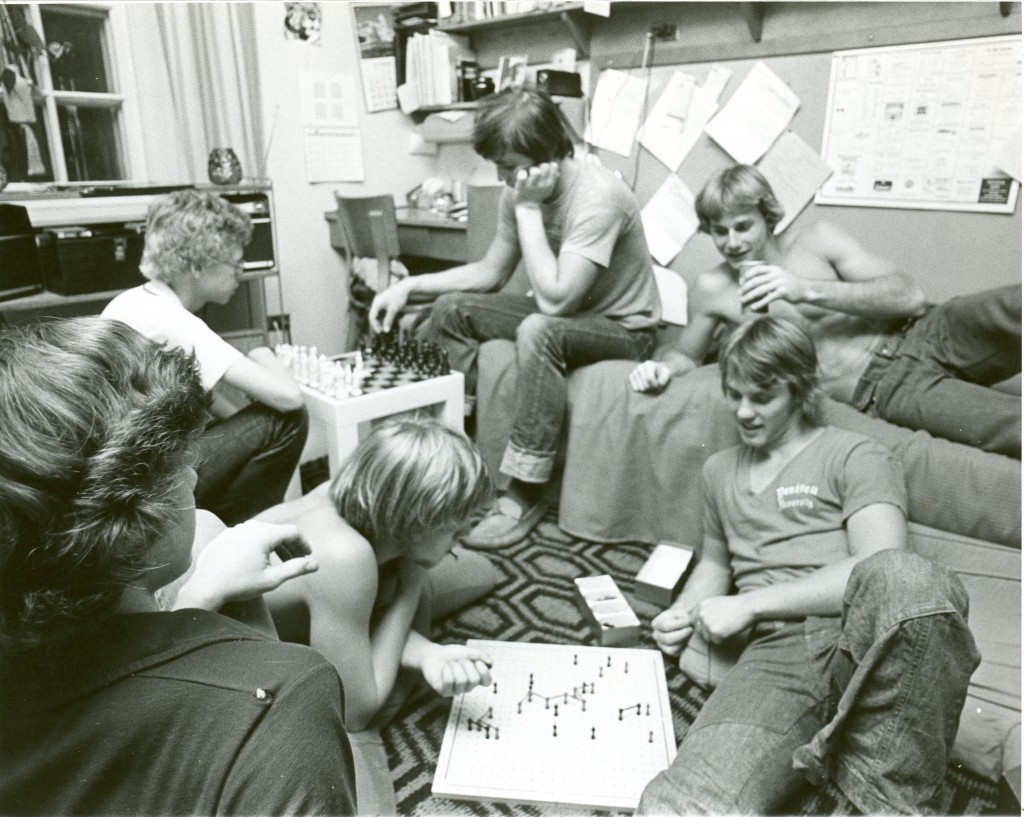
(882,348)
(382,532)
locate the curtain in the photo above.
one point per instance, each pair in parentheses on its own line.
(209,53)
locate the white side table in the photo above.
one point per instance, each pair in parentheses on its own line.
(347,420)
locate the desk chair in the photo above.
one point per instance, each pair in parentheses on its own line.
(369,230)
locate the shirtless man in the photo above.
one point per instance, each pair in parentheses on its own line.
(382,534)
(881,347)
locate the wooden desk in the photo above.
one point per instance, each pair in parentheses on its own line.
(421,233)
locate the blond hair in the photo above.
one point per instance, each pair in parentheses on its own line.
(408,478)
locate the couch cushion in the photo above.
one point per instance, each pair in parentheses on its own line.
(988,742)
(633,460)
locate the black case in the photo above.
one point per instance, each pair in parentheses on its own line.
(92,258)
(20,273)
(559,83)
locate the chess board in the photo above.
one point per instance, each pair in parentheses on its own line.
(563,724)
(381,374)
(382,362)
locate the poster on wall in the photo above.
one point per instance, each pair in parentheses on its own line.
(302,22)
(924,126)
(376,35)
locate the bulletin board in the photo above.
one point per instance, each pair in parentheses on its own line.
(924,126)
(948,252)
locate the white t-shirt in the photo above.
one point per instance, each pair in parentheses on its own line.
(154,310)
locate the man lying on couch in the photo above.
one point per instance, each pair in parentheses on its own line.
(858,654)
(883,349)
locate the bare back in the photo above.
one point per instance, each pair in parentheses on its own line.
(340,596)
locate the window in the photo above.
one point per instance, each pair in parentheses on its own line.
(59,64)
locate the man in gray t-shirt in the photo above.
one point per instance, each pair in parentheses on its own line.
(857,653)
(577,230)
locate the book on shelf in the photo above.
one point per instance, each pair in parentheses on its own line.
(432,66)
(471,12)
(466,73)
(447,49)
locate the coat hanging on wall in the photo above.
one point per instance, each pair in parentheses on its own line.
(17,97)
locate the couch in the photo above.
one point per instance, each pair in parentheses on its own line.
(631,472)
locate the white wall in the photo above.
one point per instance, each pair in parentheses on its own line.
(313,275)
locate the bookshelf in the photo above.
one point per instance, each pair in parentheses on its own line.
(570,15)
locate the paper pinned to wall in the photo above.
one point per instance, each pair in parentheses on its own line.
(755,116)
(673,294)
(795,172)
(328,100)
(669,219)
(333,154)
(615,111)
(662,133)
(703,106)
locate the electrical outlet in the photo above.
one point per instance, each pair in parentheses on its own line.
(279,329)
(664,31)
(279,323)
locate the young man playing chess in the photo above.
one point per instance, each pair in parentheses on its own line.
(193,257)
(857,652)
(577,229)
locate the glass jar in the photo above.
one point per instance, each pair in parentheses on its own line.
(223,166)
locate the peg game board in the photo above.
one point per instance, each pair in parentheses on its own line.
(564,724)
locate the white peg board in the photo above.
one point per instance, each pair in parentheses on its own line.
(563,724)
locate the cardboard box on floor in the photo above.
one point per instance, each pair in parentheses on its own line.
(663,573)
(606,610)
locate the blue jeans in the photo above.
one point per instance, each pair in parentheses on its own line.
(246,461)
(936,376)
(546,348)
(870,701)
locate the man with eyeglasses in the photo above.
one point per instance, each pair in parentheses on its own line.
(193,257)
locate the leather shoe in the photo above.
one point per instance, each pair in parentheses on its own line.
(506,524)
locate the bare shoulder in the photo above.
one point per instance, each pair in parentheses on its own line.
(824,238)
(816,250)
(716,281)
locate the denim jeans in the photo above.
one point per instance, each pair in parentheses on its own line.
(937,376)
(546,348)
(870,701)
(246,461)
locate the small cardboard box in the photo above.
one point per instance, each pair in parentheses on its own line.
(606,610)
(663,573)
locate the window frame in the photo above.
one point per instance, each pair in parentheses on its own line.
(122,100)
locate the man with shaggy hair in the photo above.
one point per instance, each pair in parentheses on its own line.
(577,229)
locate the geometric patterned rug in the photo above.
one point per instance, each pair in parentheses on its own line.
(534,602)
